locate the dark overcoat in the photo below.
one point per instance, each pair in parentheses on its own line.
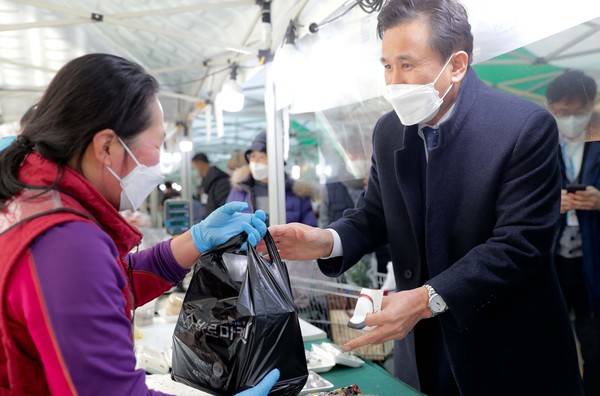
(589,222)
(476,221)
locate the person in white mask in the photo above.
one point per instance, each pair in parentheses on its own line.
(570,98)
(68,282)
(465,187)
(250,184)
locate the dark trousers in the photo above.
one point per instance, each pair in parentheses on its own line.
(435,375)
(586,322)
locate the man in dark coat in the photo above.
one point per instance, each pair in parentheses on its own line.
(215,185)
(466,190)
(570,98)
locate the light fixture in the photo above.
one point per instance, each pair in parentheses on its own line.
(296,172)
(166,163)
(231,97)
(186,146)
(288,64)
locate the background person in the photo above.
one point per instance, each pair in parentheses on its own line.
(215,185)
(465,187)
(250,184)
(237,159)
(571,99)
(68,284)
(339,195)
(169,192)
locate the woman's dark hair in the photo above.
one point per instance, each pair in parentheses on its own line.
(88,94)
(450,27)
(570,86)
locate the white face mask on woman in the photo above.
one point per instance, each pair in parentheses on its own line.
(572,126)
(138,184)
(416,103)
(259,170)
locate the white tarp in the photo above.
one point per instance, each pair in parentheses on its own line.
(342,59)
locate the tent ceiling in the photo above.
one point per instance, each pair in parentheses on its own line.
(528,70)
(189,45)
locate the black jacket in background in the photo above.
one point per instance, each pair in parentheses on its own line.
(216,186)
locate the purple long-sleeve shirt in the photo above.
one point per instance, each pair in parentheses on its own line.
(80,283)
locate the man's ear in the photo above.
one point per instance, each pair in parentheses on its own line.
(106,147)
(459,66)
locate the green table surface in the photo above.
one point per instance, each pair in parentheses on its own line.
(370,378)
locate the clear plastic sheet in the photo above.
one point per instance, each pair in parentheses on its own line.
(345,135)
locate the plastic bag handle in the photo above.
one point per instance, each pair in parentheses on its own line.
(271,248)
(233,243)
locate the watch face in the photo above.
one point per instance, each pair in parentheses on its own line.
(437,304)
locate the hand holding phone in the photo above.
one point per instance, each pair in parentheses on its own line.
(575,187)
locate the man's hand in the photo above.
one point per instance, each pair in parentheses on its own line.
(565,201)
(297,241)
(588,199)
(399,314)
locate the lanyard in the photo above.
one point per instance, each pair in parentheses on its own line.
(569,164)
(572,158)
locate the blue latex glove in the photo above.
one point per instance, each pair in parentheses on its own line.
(263,387)
(226,222)
(6,141)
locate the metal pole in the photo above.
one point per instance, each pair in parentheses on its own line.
(274,153)
(186,180)
(154,213)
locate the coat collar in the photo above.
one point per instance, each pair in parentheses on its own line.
(412,151)
(464,102)
(467,95)
(39,171)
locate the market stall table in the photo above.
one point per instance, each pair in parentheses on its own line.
(371,378)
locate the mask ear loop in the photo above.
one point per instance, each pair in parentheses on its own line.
(448,90)
(443,68)
(128,152)
(440,74)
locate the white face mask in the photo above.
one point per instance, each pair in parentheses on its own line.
(259,170)
(138,184)
(572,126)
(416,103)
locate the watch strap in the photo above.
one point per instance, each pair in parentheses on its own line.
(432,293)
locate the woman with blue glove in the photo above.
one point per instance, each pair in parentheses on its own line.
(68,282)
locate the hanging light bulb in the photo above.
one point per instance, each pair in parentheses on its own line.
(288,63)
(231,97)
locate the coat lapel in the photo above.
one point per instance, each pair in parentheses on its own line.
(591,169)
(409,178)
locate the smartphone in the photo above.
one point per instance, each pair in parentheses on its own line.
(575,187)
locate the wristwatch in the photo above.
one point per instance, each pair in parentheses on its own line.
(436,304)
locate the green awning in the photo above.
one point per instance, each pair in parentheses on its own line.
(519,72)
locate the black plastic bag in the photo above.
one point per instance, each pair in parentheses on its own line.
(229,335)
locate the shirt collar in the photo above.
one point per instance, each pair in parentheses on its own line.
(442,120)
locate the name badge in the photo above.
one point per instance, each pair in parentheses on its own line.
(203,199)
(572,218)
